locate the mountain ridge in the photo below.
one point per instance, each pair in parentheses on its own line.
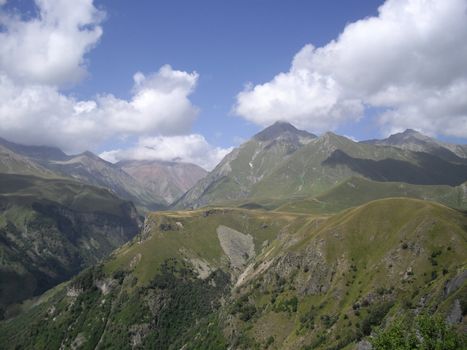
(316,165)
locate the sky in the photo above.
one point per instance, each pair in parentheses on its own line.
(189,80)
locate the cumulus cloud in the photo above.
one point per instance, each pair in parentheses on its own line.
(410,61)
(40,114)
(39,56)
(50,48)
(186,148)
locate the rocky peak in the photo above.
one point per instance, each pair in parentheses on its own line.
(279,129)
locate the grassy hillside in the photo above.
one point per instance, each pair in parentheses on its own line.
(330,159)
(283,168)
(237,174)
(246,279)
(51,229)
(357,191)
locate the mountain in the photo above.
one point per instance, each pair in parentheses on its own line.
(85,167)
(281,162)
(415,141)
(167,180)
(14,163)
(236,175)
(51,229)
(224,278)
(90,169)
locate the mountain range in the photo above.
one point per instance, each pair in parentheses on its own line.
(293,241)
(283,162)
(150,185)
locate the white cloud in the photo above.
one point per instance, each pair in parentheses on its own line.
(409,60)
(40,114)
(41,55)
(50,49)
(186,148)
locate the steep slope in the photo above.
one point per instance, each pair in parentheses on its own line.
(13,163)
(167,180)
(357,191)
(90,169)
(247,165)
(85,167)
(415,141)
(242,279)
(330,159)
(272,167)
(51,229)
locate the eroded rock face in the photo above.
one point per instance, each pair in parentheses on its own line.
(106,285)
(455,315)
(239,247)
(455,283)
(138,332)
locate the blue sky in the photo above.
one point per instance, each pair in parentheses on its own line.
(363,69)
(229,43)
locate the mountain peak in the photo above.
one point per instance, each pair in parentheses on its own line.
(410,132)
(279,128)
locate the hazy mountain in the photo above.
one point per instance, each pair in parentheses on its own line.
(281,162)
(14,163)
(89,168)
(245,279)
(50,229)
(85,167)
(168,180)
(415,141)
(236,175)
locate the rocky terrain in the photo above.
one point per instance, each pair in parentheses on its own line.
(52,229)
(168,180)
(234,278)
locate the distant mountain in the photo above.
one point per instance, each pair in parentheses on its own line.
(89,168)
(237,174)
(51,229)
(415,141)
(244,279)
(167,180)
(85,167)
(35,152)
(14,163)
(282,162)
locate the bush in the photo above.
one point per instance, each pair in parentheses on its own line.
(426,332)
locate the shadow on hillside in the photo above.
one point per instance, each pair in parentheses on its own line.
(429,170)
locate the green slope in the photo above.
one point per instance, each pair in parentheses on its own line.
(279,168)
(235,278)
(238,173)
(330,159)
(51,229)
(357,191)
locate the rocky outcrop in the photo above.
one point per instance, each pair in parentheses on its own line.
(239,247)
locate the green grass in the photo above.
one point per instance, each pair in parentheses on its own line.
(357,191)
